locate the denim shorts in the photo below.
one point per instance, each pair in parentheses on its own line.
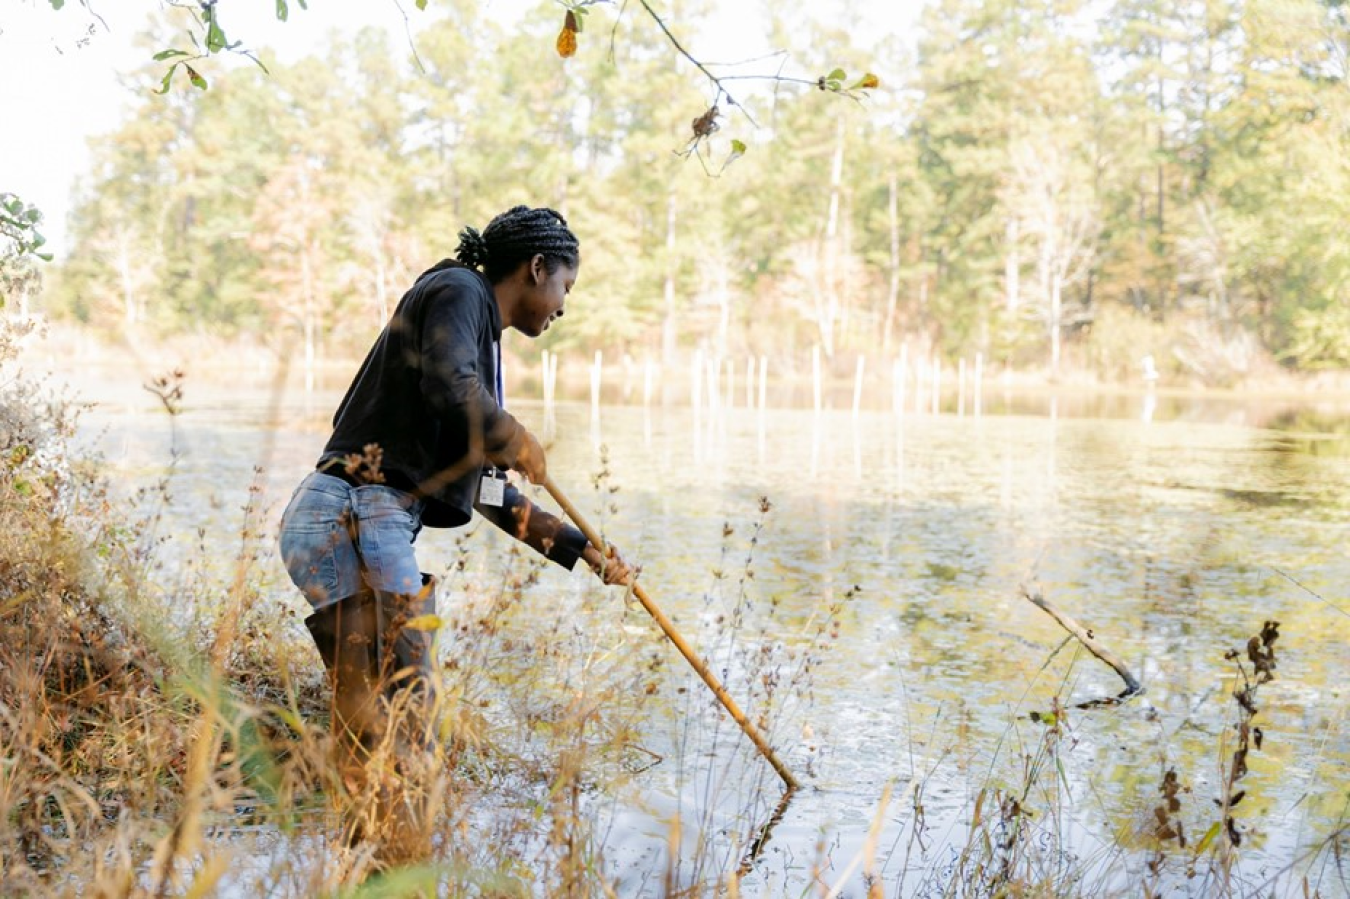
(337,540)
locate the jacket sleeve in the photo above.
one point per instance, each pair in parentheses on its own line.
(542,531)
(454,333)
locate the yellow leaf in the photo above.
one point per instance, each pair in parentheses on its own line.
(567,41)
(1207,839)
(869,81)
(424,623)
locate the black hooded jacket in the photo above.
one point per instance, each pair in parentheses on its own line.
(425,395)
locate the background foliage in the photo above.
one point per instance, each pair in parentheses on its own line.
(1048,184)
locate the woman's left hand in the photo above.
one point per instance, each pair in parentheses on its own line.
(614,569)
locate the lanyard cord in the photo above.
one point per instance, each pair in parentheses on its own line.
(501,390)
(491,470)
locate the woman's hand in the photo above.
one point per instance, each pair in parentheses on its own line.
(611,568)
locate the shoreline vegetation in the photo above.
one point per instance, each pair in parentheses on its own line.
(166,738)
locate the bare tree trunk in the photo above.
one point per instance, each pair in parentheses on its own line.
(1012,267)
(381,287)
(1045,274)
(668,323)
(1056,318)
(723,305)
(129,317)
(893,287)
(831,269)
(309,321)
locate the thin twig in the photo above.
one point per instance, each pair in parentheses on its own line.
(1085,637)
(675,42)
(717,82)
(1311,592)
(407,31)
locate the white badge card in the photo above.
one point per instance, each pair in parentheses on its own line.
(492,489)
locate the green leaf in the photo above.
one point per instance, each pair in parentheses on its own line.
(836,75)
(168,54)
(215,37)
(57,4)
(45,257)
(283,11)
(737,147)
(195,77)
(1208,838)
(168,79)
(421,4)
(304,4)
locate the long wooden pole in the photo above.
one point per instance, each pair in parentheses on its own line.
(668,628)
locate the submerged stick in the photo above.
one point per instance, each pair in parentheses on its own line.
(668,628)
(764,834)
(1085,637)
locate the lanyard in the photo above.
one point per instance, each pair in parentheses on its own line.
(501,390)
(492,487)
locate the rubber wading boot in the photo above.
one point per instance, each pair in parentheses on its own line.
(348,636)
(408,626)
(410,679)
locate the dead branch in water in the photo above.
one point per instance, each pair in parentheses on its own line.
(1132,685)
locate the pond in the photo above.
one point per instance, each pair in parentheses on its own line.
(858,581)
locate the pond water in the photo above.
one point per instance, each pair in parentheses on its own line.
(874,614)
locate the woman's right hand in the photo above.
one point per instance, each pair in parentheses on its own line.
(530,460)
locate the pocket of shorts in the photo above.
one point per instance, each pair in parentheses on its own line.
(388,521)
(310,558)
(313,537)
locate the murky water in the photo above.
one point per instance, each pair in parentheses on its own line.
(882,590)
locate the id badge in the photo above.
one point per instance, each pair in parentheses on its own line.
(492,489)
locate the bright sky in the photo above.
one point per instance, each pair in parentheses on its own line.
(59,85)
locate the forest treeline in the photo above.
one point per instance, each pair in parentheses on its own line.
(1051,184)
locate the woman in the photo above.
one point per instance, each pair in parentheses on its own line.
(421,438)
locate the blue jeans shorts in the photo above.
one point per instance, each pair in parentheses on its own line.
(337,540)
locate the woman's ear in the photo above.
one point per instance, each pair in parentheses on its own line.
(538,270)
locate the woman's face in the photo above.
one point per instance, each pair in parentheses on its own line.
(544,296)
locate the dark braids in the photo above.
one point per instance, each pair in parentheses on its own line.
(516,236)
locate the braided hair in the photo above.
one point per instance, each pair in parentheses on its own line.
(516,236)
